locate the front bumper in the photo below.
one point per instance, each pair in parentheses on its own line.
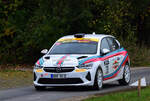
(72,78)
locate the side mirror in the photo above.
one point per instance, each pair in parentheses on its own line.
(105,51)
(44,51)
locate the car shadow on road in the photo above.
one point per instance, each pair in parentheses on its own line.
(79,88)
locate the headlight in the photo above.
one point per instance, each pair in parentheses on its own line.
(37,66)
(86,66)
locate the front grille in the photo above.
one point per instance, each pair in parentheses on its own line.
(60,81)
(61,69)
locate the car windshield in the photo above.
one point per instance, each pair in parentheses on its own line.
(74,48)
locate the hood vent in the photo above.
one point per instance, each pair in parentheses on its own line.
(47,57)
(82,57)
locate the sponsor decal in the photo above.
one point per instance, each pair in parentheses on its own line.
(114,74)
(106,64)
(78,40)
(41,75)
(58,43)
(115,64)
(46,74)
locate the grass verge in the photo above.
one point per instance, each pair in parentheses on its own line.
(15,78)
(124,96)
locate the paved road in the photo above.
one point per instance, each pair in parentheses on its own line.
(56,94)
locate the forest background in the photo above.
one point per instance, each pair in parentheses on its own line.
(28,26)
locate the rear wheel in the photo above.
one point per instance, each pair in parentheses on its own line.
(39,88)
(126,76)
(98,83)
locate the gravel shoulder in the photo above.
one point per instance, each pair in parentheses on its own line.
(15,78)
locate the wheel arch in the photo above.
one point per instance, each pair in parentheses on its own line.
(96,85)
(99,67)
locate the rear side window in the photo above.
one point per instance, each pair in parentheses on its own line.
(113,44)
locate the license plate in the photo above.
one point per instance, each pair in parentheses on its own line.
(58,75)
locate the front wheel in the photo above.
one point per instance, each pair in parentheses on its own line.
(98,83)
(126,76)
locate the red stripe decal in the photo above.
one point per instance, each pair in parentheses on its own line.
(62,60)
(104,58)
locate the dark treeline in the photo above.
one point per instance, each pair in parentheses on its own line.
(27,26)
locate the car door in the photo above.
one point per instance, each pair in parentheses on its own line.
(105,45)
(115,60)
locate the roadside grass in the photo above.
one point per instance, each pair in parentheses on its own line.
(15,67)
(123,96)
(10,78)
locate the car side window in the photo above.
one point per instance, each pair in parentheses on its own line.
(104,44)
(113,44)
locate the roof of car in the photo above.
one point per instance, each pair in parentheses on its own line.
(90,36)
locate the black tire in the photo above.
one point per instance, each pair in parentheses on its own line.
(124,80)
(39,88)
(98,86)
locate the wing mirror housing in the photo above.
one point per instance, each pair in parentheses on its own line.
(105,51)
(44,51)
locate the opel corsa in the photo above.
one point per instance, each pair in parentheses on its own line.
(82,60)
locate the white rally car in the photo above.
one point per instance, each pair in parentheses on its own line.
(82,60)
